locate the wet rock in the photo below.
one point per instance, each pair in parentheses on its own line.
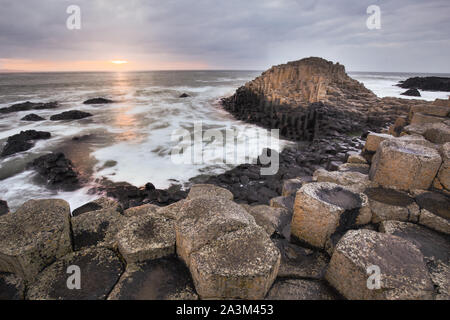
(270,219)
(32,117)
(99,204)
(100,270)
(57,171)
(237,265)
(404,165)
(97,228)
(404,275)
(161,279)
(70,115)
(298,262)
(98,101)
(146,237)
(23,141)
(25,106)
(411,93)
(145,209)
(4,209)
(435,248)
(324,211)
(11,287)
(298,289)
(202,220)
(184,95)
(209,191)
(34,236)
(388,204)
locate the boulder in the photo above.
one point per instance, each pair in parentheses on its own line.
(324,211)
(100,269)
(273,220)
(434,221)
(411,93)
(417,139)
(172,211)
(209,191)
(237,265)
(23,141)
(434,110)
(70,115)
(99,204)
(98,101)
(443,177)
(403,273)
(184,95)
(423,118)
(34,236)
(11,287)
(398,126)
(374,139)
(32,117)
(146,237)
(388,204)
(299,289)
(4,209)
(435,248)
(435,211)
(283,202)
(145,209)
(417,129)
(353,180)
(25,106)
(161,279)
(97,228)
(404,165)
(291,186)
(356,158)
(354,167)
(203,220)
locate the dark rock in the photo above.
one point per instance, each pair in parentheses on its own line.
(32,117)
(299,289)
(71,115)
(411,92)
(184,95)
(11,287)
(100,270)
(23,141)
(99,204)
(436,203)
(426,83)
(161,279)
(3,207)
(29,106)
(57,170)
(98,101)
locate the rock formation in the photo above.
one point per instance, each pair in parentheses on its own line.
(23,141)
(426,83)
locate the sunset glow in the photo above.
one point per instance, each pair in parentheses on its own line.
(119,61)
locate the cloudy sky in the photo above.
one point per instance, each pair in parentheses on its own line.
(223,34)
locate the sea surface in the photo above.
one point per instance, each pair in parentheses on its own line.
(133,139)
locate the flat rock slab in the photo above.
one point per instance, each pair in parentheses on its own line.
(351,179)
(161,279)
(434,246)
(435,203)
(404,165)
(99,204)
(172,211)
(209,191)
(100,269)
(271,219)
(354,167)
(374,139)
(146,237)
(97,228)
(145,209)
(238,265)
(11,287)
(403,273)
(34,236)
(70,115)
(299,289)
(298,262)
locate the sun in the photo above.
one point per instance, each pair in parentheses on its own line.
(119,61)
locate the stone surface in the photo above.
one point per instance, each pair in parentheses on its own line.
(23,141)
(388,204)
(298,262)
(291,186)
(435,248)
(374,139)
(172,211)
(283,202)
(97,228)
(99,204)
(354,167)
(354,180)
(404,165)
(404,274)
(356,158)
(271,219)
(426,83)
(146,237)
(238,265)
(434,110)
(11,287)
(4,209)
(443,176)
(100,270)
(323,211)
(70,115)
(34,236)
(209,191)
(411,92)
(32,117)
(141,210)
(423,118)
(436,203)
(98,101)
(25,106)
(161,279)
(298,289)
(434,222)
(438,133)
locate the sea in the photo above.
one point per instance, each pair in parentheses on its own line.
(133,139)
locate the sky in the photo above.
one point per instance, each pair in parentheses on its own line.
(414,35)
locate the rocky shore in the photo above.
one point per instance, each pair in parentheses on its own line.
(365,190)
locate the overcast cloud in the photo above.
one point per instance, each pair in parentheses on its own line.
(231,34)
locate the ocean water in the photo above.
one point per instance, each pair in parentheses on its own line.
(133,139)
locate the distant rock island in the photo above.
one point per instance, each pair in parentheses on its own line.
(426,83)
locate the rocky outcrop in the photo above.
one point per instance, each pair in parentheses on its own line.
(25,106)
(23,141)
(70,115)
(98,101)
(34,236)
(411,93)
(99,204)
(426,83)
(32,117)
